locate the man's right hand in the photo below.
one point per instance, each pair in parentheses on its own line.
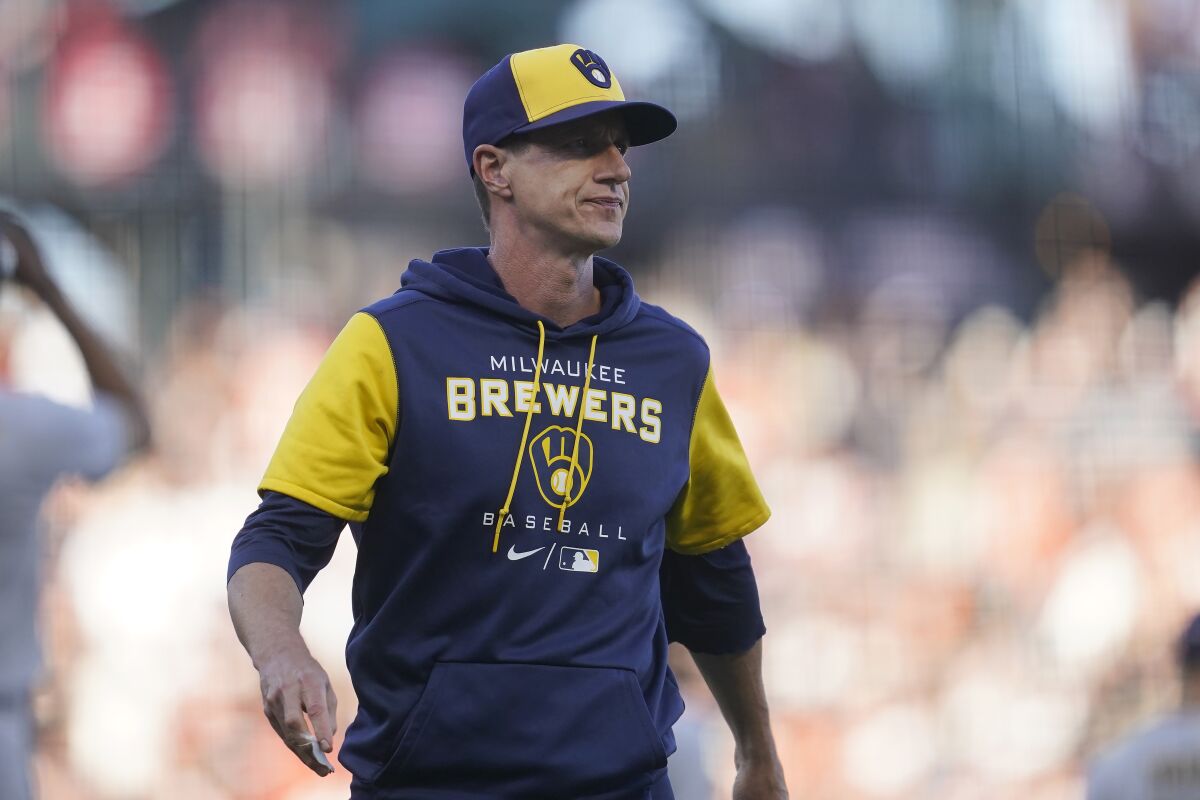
(295,686)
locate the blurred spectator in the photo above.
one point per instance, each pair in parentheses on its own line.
(1161,762)
(40,441)
(942,253)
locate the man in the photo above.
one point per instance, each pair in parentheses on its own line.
(1163,761)
(514,438)
(41,441)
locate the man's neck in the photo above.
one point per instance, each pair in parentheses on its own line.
(556,285)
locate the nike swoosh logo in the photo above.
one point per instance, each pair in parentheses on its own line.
(513,555)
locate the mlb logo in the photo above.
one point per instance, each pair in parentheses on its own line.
(578,559)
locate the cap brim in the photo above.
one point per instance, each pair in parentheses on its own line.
(645,122)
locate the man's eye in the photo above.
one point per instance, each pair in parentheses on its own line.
(622,147)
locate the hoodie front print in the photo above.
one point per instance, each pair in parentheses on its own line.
(511,486)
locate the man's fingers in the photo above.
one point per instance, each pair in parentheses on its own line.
(295,728)
(301,746)
(294,686)
(314,702)
(283,709)
(274,725)
(331,704)
(331,701)
(285,704)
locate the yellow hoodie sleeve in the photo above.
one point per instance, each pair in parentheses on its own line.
(721,501)
(335,446)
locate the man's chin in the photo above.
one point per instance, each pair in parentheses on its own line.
(592,239)
(605,239)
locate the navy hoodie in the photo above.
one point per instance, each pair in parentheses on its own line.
(511,517)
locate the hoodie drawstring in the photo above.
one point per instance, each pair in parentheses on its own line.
(537,383)
(587,383)
(512,486)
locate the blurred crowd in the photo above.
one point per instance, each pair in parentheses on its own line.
(944,252)
(975,569)
(975,566)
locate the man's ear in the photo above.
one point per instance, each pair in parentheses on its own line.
(489,162)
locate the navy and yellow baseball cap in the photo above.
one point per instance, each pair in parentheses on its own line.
(537,88)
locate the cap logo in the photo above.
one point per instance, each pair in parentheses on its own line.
(592,67)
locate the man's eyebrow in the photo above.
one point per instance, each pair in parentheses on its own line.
(565,135)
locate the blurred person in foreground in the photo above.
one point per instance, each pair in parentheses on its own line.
(503,647)
(41,441)
(1161,762)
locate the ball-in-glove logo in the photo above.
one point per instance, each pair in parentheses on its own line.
(592,67)
(550,453)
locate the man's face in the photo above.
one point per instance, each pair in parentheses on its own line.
(572,183)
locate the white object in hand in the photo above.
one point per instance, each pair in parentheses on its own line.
(317,752)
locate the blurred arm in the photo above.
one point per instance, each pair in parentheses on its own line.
(105,375)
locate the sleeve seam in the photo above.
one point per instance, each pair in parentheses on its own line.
(748,527)
(275,556)
(395,377)
(715,627)
(312,498)
(696,407)
(706,648)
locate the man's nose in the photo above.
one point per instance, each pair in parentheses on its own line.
(613,167)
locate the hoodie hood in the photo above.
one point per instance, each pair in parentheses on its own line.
(463,275)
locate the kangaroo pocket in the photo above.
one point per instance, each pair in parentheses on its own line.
(526,730)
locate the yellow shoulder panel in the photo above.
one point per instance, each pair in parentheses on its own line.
(721,501)
(336,444)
